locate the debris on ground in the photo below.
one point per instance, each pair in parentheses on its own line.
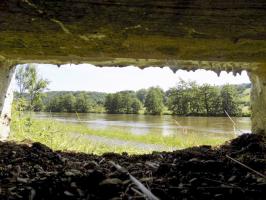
(35,172)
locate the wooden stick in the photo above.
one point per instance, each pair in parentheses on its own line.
(230,118)
(77,116)
(142,188)
(138,192)
(247,167)
(234,124)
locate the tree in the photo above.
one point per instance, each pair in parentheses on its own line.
(83,103)
(68,102)
(211,100)
(122,102)
(141,95)
(230,102)
(34,86)
(188,98)
(53,105)
(178,99)
(154,101)
(194,99)
(117,103)
(109,103)
(38,105)
(30,82)
(126,102)
(21,80)
(21,103)
(136,106)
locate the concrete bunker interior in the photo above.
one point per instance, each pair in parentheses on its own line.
(215,35)
(183,34)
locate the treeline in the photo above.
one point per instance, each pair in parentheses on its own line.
(186,99)
(82,102)
(69,101)
(124,102)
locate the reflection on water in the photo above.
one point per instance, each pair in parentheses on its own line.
(164,125)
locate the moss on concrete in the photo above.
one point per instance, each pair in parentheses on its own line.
(145,32)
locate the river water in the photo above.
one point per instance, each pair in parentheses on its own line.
(148,124)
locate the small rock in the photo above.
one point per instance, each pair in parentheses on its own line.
(218,196)
(67,193)
(194,181)
(194,160)
(232,179)
(22,180)
(73,185)
(90,165)
(72,172)
(111,181)
(261,180)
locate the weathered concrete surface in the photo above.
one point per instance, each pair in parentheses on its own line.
(258,101)
(180,33)
(6,98)
(183,34)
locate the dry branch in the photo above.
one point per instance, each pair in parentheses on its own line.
(142,188)
(247,167)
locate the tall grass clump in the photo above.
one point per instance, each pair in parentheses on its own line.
(56,136)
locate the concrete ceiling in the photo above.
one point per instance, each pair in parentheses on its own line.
(189,34)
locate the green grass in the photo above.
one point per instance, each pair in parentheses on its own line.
(59,136)
(245,99)
(177,141)
(246,95)
(56,136)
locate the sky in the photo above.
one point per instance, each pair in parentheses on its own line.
(87,77)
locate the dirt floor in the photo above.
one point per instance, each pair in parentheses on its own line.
(33,171)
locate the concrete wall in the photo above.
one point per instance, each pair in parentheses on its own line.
(6,99)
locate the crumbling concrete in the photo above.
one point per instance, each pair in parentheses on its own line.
(258,100)
(179,33)
(6,98)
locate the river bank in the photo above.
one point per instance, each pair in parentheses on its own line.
(77,137)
